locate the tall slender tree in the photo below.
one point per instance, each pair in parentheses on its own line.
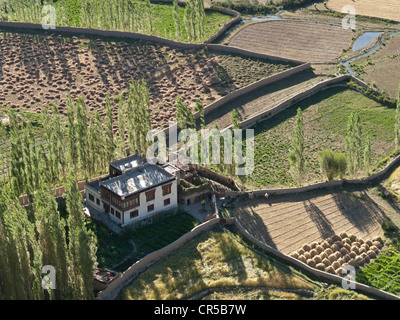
(296,153)
(353,143)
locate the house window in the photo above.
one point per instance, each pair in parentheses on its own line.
(166,189)
(150,195)
(134,214)
(112,210)
(150,207)
(167,202)
(91,197)
(98,201)
(118,214)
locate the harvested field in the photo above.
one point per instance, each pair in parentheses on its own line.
(300,40)
(381,68)
(388,9)
(288,222)
(37,69)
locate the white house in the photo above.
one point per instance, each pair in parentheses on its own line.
(134,190)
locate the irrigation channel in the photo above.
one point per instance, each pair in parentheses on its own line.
(364,41)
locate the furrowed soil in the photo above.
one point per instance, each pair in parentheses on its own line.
(388,9)
(38,69)
(300,40)
(288,222)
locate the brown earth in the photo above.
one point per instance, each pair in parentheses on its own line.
(381,68)
(38,69)
(301,40)
(288,222)
(388,9)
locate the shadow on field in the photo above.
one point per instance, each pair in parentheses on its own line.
(318,217)
(360,210)
(254,224)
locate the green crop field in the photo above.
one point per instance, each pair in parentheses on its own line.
(325,124)
(133,16)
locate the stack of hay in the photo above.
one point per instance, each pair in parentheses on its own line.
(332,254)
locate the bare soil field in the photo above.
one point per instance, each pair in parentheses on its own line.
(302,40)
(288,222)
(381,68)
(37,69)
(388,9)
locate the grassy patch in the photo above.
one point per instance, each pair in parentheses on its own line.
(213,259)
(114,249)
(325,124)
(384,272)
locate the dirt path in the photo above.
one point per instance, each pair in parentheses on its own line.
(288,222)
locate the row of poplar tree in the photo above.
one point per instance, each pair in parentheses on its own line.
(79,146)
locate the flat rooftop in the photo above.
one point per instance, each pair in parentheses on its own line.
(128,163)
(132,182)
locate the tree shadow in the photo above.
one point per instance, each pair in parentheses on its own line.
(318,217)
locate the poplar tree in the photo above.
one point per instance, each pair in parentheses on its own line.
(177,20)
(109,134)
(353,143)
(184,116)
(81,243)
(397,125)
(296,153)
(17,168)
(121,127)
(81,135)
(72,138)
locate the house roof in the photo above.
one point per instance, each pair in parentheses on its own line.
(128,163)
(135,181)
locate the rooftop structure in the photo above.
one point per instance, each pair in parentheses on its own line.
(126,164)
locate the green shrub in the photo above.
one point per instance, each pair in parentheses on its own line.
(332,164)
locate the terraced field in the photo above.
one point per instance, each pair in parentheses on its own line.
(380,68)
(325,121)
(288,222)
(37,69)
(388,9)
(301,40)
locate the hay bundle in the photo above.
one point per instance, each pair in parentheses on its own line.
(338,254)
(320,266)
(313,253)
(301,251)
(346,241)
(306,247)
(366,259)
(352,262)
(307,255)
(336,238)
(355,250)
(323,255)
(317,259)
(343,235)
(311,263)
(359,240)
(329,251)
(371,254)
(330,269)
(303,259)
(325,245)
(330,241)
(353,255)
(295,255)
(339,244)
(341,261)
(369,243)
(365,246)
(347,246)
(332,258)
(375,249)
(346,258)
(334,247)
(319,249)
(362,250)
(326,262)
(378,239)
(352,238)
(343,251)
(340,271)
(377,244)
(336,265)
(359,261)
(313,245)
